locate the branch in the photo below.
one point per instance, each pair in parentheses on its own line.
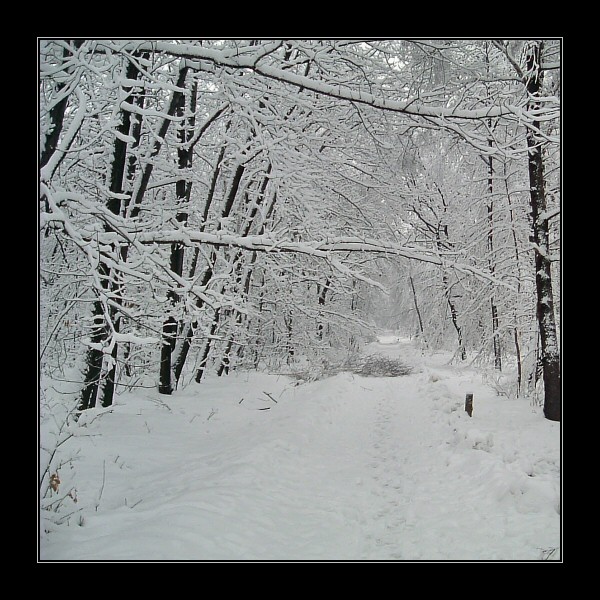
(249,60)
(504,50)
(550,214)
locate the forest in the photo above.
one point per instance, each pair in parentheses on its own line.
(208,206)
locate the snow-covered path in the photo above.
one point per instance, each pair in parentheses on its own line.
(453,487)
(254,467)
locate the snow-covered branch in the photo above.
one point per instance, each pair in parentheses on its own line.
(251,60)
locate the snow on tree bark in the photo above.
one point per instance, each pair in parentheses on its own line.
(543,278)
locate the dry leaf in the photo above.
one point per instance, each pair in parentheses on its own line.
(54,481)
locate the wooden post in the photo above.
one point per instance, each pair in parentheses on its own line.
(469,404)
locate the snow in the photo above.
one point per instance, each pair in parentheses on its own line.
(264,467)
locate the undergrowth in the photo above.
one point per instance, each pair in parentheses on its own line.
(372,365)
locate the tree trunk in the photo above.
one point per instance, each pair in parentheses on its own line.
(93,359)
(182,350)
(183,190)
(142,184)
(207,346)
(322,293)
(168,343)
(289,321)
(414,295)
(92,390)
(496,337)
(244,280)
(226,359)
(519,362)
(56,116)
(108,390)
(490,240)
(518,265)
(226,211)
(550,355)
(136,133)
(454,317)
(442,236)
(116,206)
(208,273)
(490,210)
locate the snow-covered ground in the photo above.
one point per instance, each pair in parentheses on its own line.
(257,466)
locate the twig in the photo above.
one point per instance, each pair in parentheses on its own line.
(47,469)
(58,501)
(97,416)
(65,517)
(269,395)
(103,482)
(160,402)
(133,505)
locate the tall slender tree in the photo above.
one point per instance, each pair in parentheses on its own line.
(185,108)
(550,358)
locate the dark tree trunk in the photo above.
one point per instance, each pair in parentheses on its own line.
(135,132)
(168,343)
(226,359)
(244,280)
(550,355)
(226,211)
(454,318)
(56,116)
(207,346)
(496,336)
(414,295)
(109,384)
(140,189)
(92,390)
(125,181)
(490,210)
(289,322)
(182,351)
(93,359)
(519,362)
(184,347)
(322,293)
(115,205)
(517,262)
(441,233)
(183,189)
